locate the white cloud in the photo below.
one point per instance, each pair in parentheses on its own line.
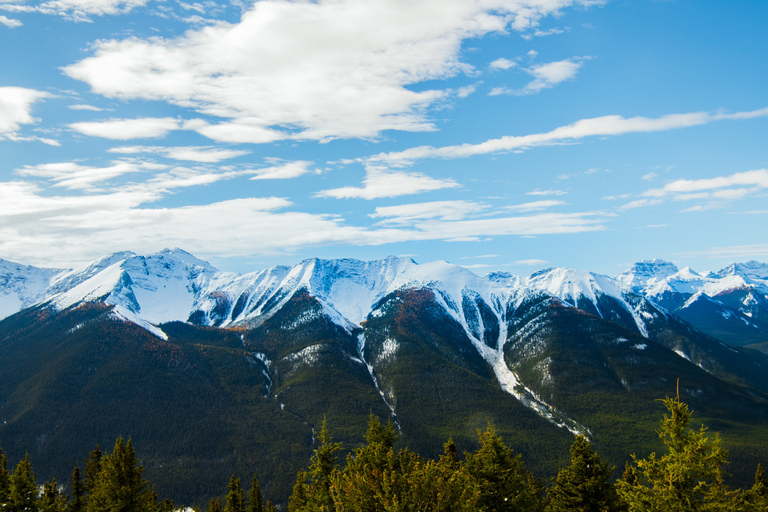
(639,203)
(308,70)
(502,63)
(531,262)
(80,10)
(443,210)
(10,22)
(80,227)
(16,108)
(597,126)
(538,192)
(534,206)
(756,178)
(126,129)
(74,176)
(380,183)
(283,171)
(735,252)
(86,107)
(550,74)
(202,154)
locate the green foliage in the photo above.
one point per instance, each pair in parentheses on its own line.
(77,497)
(235,500)
(119,485)
(584,485)
(254,497)
(689,477)
(23,489)
(505,484)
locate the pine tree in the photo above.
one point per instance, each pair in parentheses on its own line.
(5,481)
(584,485)
(504,483)
(23,488)
(756,498)
(77,500)
(119,486)
(254,497)
(688,478)
(92,469)
(51,499)
(214,505)
(235,501)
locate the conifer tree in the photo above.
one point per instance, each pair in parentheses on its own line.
(757,496)
(235,501)
(214,505)
(92,469)
(584,485)
(689,477)
(119,486)
(504,483)
(254,497)
(51,499)
(23,488)
(77,500)
(5,480)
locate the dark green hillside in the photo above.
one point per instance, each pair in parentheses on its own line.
(442,388)
(194,405)
(608,378)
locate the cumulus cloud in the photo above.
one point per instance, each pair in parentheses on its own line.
(126,129)
(309,70)
(502,63)
(380,183)
(596,126)
(16,108)
(545,76)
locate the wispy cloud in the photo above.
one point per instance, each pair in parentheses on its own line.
(534,206)
(127,129)
(10,22)
(380,183)
(443,210)
(598,126)
(202,154)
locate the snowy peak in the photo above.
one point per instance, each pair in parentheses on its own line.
(22,286)
(645,274)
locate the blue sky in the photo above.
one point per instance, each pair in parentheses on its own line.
(496,134)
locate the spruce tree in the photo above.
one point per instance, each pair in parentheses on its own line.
(77,499)
(119,486)
(584,485)
(505,485)
(51,499)
(23,488)
(689,477)
(214,505)
(92,469)
(757,496)
(254,497)
(5,481)
(235,501)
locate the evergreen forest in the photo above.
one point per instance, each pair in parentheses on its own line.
(690,475)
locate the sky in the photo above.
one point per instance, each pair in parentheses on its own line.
(505,135)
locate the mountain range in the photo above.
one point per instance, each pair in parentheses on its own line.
(213,372)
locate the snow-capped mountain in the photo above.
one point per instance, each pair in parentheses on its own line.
(437,348)
(730,304)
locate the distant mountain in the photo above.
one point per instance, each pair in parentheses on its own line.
(730,305)
(212,373)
